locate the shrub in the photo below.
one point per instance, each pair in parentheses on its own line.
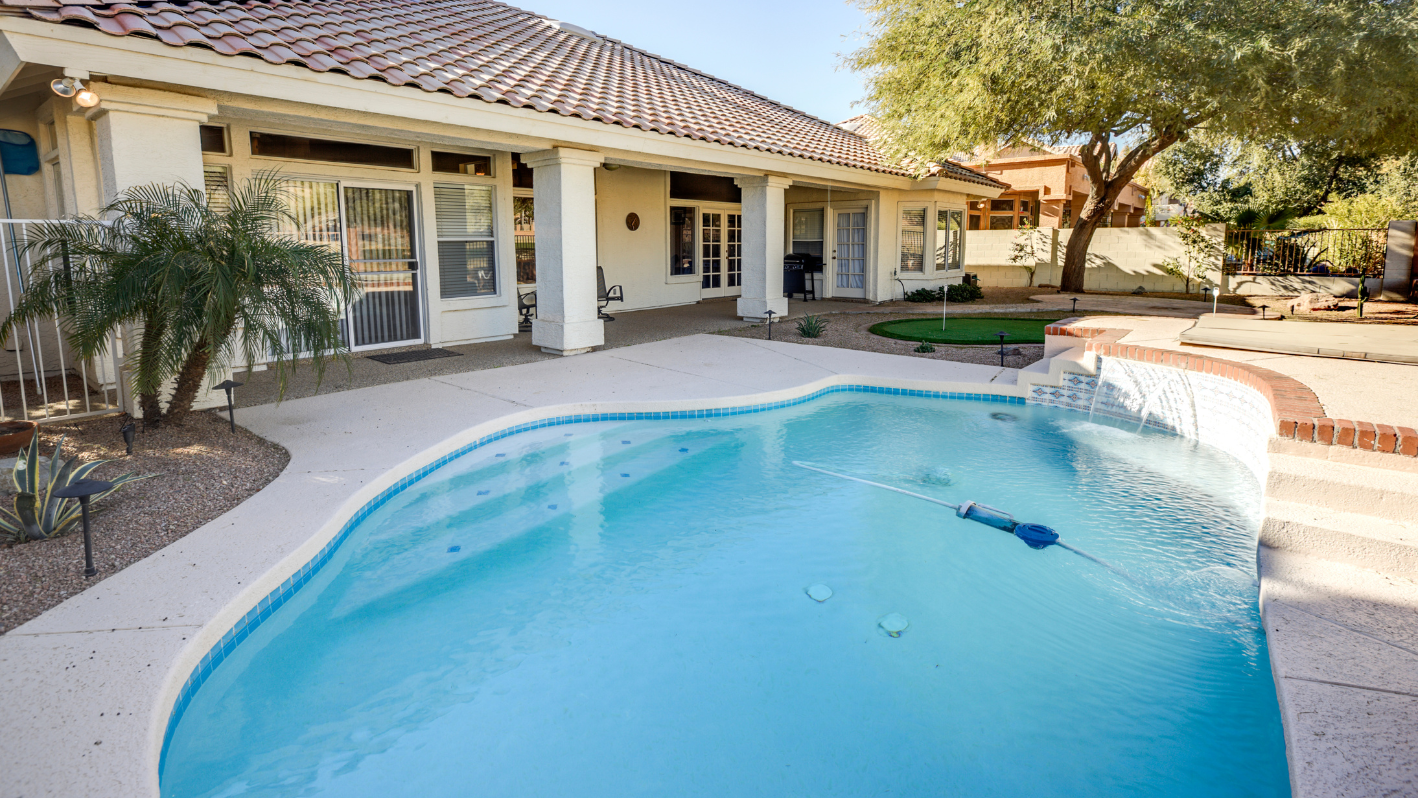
(926,295)
(925,348)
(38,514)
(812,326)
(964,292)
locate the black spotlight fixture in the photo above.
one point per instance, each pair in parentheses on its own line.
(769,314)
(1075,304)
(227,386)
(129,429)
(82,490)
(1002,335)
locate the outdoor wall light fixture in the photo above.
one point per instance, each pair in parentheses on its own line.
(128,430)
(74,87)
(82,490)
(1002,335)
(230,408)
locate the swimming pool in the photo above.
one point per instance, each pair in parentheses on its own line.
(621,608)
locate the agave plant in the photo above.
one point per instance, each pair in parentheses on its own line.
(38,513)
(812,326)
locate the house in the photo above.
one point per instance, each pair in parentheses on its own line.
(1048,186)
(460,152)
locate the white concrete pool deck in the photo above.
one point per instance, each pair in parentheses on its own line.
(90,683)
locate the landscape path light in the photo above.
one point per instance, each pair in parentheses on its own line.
(227,386)
(1002,335)
(770,324)
(82,490)
(128,429)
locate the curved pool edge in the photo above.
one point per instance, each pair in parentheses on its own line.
(241,616)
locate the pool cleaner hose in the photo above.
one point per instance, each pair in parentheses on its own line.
(1036,536)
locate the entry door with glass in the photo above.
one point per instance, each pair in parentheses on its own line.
(720,253)
(850,253)
(374,228)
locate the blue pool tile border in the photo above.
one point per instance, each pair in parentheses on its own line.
(287,589)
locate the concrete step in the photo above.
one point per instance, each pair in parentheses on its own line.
(1365,541)
(1376,492)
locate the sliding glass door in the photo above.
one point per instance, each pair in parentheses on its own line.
(373,227)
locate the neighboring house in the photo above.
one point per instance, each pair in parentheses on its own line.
(1048,186)
(460,151)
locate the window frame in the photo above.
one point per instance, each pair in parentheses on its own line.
(694,209)
(418,152)
(926,237)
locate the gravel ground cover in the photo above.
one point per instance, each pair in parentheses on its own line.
(853,331)
(202,470)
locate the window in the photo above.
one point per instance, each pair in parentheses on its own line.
(217,183)
(1001,222)
(913,240)
(214,139)
(712,257)
(949,240)
(807,232)
(274,145)
(733,250)
(456,163)
(1002,205)
(851,249)
(521,173)
(525,239)
(681,241)
(467,265)
(704,188)
(974,221)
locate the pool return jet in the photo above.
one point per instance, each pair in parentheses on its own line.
(1036,536)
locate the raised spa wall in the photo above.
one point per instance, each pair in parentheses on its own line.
(1337,556)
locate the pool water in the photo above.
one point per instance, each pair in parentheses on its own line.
(621,609)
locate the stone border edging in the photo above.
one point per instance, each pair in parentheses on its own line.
(1297,412)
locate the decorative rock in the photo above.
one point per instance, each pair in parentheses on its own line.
(819,593)
(894,624)
(1312,301)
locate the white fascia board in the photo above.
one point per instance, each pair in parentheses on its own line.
(10,64)
(150,60)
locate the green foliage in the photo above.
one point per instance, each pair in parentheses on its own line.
(1200,253)
(959,292)
(37,513)
(1260,185)
(207,287)
(812,326)
(924,348)
(1129,80)
(1025,250)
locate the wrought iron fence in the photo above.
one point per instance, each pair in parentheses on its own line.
(40,379)
(1324,251)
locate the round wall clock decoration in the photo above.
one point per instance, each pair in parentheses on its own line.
(632,221)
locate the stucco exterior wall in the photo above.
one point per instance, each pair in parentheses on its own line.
(638,260)
(1119,259)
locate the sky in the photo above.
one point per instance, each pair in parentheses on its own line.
(787,50)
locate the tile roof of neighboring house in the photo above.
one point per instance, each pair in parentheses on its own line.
(868,127)
(484,50)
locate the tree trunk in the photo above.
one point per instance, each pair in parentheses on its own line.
(189,381)
(1076,253)
(151,408)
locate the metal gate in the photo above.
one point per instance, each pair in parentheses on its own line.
(40,379)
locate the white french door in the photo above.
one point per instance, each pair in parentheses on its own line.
(373,227)
(850,253)
(720,253)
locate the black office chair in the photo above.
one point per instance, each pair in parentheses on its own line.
(527,306)
(605,296)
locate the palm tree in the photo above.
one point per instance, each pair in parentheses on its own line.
(207,287)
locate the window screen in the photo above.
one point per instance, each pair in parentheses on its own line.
(214,139)
(467,263)
(681,241)
(217,183)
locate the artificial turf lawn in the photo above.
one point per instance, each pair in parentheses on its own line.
(965,330)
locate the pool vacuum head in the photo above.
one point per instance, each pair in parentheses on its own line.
(1036,536)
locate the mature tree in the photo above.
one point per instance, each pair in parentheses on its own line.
(1130,79)
(208,288)
(1261,185)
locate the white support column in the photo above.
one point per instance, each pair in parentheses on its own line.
(763,247)
(148,136)
(564,190)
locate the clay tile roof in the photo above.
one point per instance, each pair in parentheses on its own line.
(488,51)
(867,126)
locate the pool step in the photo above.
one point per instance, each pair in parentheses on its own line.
(1347,488)
(1353,538)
